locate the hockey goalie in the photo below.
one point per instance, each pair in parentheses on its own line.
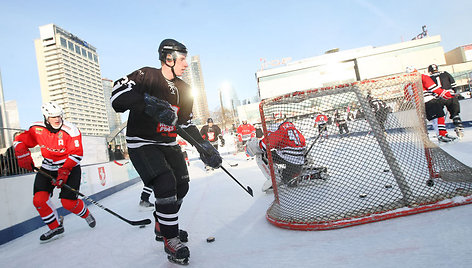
(287,147)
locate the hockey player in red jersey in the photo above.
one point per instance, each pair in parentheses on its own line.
(433,105)
(61,148)
(321,121)
(446,81)
(287,146)
(245,133)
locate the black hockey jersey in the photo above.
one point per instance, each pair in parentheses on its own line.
(211,134)
(444,80)
(128,94)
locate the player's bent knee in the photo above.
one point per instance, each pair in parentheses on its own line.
(164,186)
(182,190)
(40,198)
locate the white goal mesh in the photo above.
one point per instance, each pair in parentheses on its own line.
(371,160)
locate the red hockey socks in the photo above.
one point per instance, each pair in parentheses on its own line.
(46,209)
(442,126)
(76,206)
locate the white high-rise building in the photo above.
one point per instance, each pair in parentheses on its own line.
(194,77)
(69,74)
(114,119)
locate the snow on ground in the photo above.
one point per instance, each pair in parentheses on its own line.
(217,206)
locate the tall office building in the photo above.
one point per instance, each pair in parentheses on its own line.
(194,77)
(69,74)
(114,119)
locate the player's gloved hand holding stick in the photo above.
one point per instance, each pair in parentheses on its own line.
(210,153)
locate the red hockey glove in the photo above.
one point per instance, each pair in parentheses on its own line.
(23,155)
(62,176)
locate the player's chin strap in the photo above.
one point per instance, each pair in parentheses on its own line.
(171,68)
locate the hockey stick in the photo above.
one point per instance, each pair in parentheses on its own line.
(311,146)
(140,222)
(231,165)
(192,141)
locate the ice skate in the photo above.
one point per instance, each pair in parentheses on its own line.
(183,235)
(54,233)
(90,220)
(146,205)
(177,252)
(445,139)
(459,132)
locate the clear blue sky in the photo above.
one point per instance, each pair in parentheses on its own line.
(230,36)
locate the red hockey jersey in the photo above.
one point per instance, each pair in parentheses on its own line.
(288,141)
(246,132)
(63,148)
(321,119)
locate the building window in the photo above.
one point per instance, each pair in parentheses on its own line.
(77,49)
(71,45)
(95,59)
(90,55)
(63,42)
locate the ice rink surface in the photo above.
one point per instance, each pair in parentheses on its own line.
(216,206)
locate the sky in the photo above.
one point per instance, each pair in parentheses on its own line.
(231,37)
(216,206)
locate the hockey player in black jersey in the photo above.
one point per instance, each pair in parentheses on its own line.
(445,80)
(212,133)
(158,100)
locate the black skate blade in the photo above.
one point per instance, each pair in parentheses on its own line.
(183,261)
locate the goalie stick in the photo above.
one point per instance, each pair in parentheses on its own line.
(192,141)
(140,222)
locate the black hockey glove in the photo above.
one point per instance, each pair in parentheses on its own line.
(159,110)
(209,155)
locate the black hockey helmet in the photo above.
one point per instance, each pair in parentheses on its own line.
(210,120)
(432,68)
(172,47)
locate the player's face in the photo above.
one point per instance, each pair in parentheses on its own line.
(210,124)
(180,64)
(55,121)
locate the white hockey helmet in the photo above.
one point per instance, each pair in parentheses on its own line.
(51,109)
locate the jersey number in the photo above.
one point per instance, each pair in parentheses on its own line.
(293,136)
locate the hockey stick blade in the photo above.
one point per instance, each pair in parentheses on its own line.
(231,165)
(134,223)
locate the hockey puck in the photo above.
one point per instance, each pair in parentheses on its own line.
(142,226)
(362,195)
(210,239)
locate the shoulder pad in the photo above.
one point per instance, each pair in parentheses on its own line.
(70,128)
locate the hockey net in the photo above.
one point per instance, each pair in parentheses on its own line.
(382,166)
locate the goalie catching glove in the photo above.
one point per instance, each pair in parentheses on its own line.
(23,155)
(209,155)
(159,110)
